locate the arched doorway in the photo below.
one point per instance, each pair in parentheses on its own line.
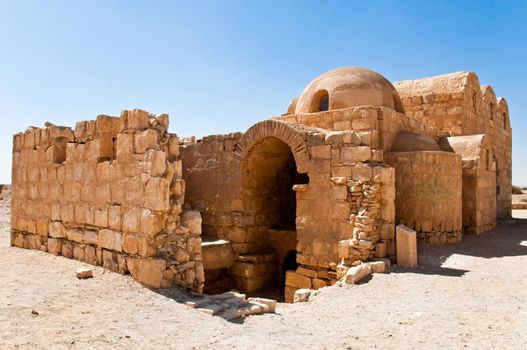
(269,172)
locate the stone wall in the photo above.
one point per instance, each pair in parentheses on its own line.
(109,193)
(428,194)
(456,104)
(338,181)
(479,180)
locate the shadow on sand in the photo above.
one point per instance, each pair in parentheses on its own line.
(509,238)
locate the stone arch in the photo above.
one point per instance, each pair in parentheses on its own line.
(274,158)
(294,136)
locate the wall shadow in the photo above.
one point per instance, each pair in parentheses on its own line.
(503,241)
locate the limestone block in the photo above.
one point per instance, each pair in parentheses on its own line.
(114,217)
(301,295)
(75,235)
(380,250)
(350,155)
(146,140)
(251,284)
(54,246)
(147,271)
(109,260)
(106,126)
(84,273)
(249,270)
(91,237)
(322,152)
(362,172)
(173,147)
(377,266)
(57,230)
(319,283)
(110,239)
(357,273)
(78,253)
(155,163)
(191,219)
(157,194)
(131,219)
(406,242)
(130,244)
(101,217)
(151,223)
(217,254)
(124,145)
(270,303)
(104,147)
(66,250)
(137,119)
(57,132)
(293,279)
(90,255)
(289,294)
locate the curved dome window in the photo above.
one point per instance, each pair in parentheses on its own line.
(320,102)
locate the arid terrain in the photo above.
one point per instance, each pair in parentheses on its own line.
(471,295)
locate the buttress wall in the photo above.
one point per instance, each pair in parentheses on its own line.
(456,104)
(109,193)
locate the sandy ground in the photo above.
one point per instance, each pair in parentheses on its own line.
(471,295)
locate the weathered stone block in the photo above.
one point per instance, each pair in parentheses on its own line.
(91,237)
(146,140)
(151,223)
(57,230)
(155,163)
(357,273)
(110,239)
(406,246)
(301,295)
(293,279)
(114,217)
(54,246)
(147,271)
(217,254)
(157,194)
(131,220)
(75,235)
(191,219)
(138,119)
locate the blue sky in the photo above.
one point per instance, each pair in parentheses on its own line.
(220,66)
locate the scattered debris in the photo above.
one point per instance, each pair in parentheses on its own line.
(232,305)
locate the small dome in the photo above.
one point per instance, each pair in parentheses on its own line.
(348,87)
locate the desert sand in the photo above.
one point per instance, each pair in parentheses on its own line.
(471,295)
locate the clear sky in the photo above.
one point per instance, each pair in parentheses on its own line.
(220,66)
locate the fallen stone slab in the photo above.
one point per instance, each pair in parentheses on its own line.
(84,273)
(377,266)
(227,295)
(270,303)
(301,295)
(356,274)
(212,309)
(198,303)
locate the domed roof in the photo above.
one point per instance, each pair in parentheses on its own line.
(348,87)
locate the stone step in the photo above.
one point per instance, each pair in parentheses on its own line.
(217,253)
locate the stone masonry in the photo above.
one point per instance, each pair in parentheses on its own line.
(297,202)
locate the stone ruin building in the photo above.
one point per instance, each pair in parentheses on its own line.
(280,206)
